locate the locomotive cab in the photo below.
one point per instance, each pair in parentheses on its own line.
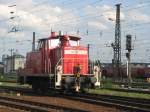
(67,58)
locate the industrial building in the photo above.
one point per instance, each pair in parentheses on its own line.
(13,63)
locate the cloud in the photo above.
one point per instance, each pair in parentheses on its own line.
(104,14)
(37,18)
(3,32)
(5,11)
(105,11)
(138,16)
(97,25)
(30,21)
(18,35)
(92,10)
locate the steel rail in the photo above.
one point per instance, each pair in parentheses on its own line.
(33,106)
(131,90)
(125,103)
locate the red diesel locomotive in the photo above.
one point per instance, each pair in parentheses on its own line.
(58,61)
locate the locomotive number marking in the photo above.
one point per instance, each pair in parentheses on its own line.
(75,52)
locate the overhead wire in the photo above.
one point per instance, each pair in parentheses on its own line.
(138,6)
(76,20)
(93,17)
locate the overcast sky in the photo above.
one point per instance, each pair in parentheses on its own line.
(94,19)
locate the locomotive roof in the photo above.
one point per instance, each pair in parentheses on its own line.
(75,38)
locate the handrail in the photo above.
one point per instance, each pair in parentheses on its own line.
(55,70)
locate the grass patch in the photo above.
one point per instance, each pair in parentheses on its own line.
(110,85)
(137,83)
(116,93)
(8,77)
(13,84)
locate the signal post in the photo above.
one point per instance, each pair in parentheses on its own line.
(128,55)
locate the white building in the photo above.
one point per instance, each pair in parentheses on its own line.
(13,63)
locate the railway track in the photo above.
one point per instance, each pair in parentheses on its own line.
(34,106)
(123,103)
(131,90)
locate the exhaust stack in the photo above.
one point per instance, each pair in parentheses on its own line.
(33,43)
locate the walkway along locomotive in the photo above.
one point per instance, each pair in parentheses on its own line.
(59,61)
